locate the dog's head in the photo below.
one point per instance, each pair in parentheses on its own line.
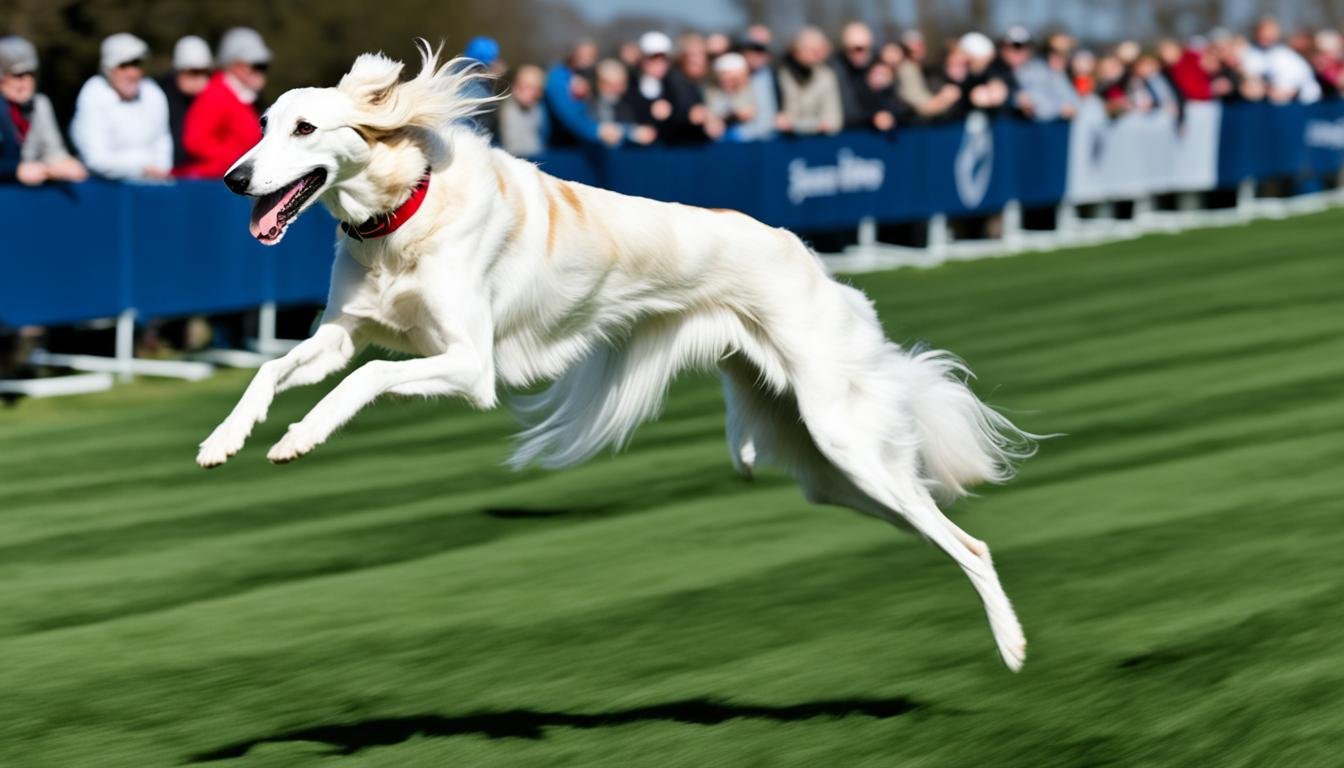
(357,146)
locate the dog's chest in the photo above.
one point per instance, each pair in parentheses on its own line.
(398,305)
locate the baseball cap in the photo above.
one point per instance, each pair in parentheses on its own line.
(243,44)
(17,56)
(730,62)
(483,49)
(976,45)
(191,52)
(654,44)
(121,48)
(1017,35)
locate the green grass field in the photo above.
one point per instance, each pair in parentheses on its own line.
(398,598)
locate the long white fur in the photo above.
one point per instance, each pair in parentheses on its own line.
(508,274)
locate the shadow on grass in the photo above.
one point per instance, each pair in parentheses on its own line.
(532,724)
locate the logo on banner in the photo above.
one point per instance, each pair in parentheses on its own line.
(1326,134)
(850,173)
(974,165)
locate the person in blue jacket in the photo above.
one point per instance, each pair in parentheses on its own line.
(568,86)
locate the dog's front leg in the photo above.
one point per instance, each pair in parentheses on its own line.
(325,352)
(459,371)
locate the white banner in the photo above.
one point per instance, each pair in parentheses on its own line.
(1136,154)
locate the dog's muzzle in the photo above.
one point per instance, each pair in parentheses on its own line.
(239,180)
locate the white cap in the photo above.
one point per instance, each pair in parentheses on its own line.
(976,45)
(120,48)
(191,52)
(243,44)
(17,56)
(730,62)
(655,43)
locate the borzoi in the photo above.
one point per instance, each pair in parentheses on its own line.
(488,269)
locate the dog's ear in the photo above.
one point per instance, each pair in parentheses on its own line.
(371,81)
(441,93)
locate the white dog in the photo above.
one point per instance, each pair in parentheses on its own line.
(488,269)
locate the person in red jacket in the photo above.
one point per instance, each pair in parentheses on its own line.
(1184,67)
(222,123)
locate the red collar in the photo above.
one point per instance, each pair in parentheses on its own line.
(385,224)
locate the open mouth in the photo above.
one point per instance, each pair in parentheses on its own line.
(272,213)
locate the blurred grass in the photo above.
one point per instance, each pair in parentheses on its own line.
(398,598)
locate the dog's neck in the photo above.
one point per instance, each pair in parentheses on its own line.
(385,183)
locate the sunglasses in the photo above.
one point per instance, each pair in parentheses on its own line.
(194,72)
(261,67)
(858,49)
(133,63)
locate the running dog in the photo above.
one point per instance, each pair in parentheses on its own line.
(488,270)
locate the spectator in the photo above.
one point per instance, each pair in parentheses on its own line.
(717,44)
(851,73)
(1083,72)
(1149,90)
(190,75)
(1231,81)
(687,90)
(1327,59)
(223,123)
(731,101)
(566,92)
(755,48)
(669,101)
(1287,76)
(912,86)
(878,98)
(630,56)
(916,50)
(612,103)
(970,67)
(693,59)
(1185,68)
(1043,91)
(523,123)
(31,148)
(483,52)
(121,118)
(810,94)
(1112,86)
(892,54)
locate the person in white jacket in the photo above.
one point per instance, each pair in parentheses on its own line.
(121,117)
(1285,73)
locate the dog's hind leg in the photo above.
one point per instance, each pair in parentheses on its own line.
(883,469)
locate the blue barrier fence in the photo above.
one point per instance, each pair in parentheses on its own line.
(75,253)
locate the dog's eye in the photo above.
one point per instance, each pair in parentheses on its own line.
(304,128)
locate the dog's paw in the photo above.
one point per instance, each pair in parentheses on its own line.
(296,442)
(224,442)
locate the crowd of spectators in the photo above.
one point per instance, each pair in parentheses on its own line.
(197,119)
(192,122)
(703,88)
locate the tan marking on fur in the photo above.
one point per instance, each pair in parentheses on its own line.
(572,198)
(515,205)
(552,215)
(727,210)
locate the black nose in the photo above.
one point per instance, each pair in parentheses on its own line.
(239,179)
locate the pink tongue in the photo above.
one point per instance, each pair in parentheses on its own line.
(265,223)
